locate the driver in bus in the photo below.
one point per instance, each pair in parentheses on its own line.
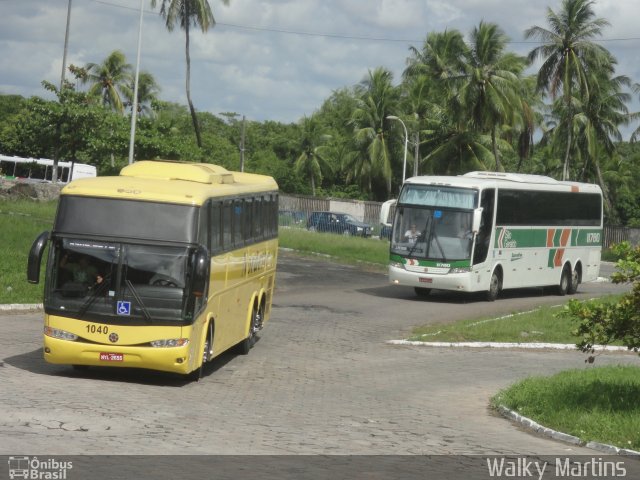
(82,271)
(412,234)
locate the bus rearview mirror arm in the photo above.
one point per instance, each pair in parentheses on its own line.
(35,257)
(477,218)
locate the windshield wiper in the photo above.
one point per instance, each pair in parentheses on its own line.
(134,292)
(433,236)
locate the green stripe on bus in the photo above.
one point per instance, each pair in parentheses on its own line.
(537,237)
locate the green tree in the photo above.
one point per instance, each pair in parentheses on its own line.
(187,14)
(568,54)
(601,322)
(108,80)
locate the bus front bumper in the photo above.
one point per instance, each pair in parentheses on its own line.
(461,282)
(168,359)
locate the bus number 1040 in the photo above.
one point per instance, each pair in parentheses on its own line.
(97,329)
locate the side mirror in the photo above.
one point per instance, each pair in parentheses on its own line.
(477,219)
(35,257)
(201,265)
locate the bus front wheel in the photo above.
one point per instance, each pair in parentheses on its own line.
(495,286)
(207,355)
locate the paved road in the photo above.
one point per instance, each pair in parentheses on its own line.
(321,380)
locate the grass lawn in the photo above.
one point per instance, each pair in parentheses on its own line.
(542,325)
(21,221)
(370,252)
(597,404)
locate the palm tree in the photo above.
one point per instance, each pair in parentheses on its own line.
(148,91)
(187,14)
(489,88)
(311,162)
(109,79)
(377,98)
(442,57)
(568,54)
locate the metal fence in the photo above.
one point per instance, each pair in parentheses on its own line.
(295,209)
(616,234)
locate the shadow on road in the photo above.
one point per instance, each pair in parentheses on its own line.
(34,362)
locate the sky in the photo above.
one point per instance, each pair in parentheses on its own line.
(270,59)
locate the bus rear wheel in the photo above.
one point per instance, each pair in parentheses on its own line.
(256,320)
(575,281)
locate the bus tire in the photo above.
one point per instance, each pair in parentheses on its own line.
(422,292)
(207,355)
(565,281)
(247,344)
(495,286)
(575,281)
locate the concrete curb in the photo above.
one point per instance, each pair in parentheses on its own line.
(563,437)
(17,307)
(527,346)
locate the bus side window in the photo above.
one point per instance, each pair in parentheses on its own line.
(226,227)
(215,234)
(487,201)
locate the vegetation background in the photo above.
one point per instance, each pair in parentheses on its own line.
(468,104)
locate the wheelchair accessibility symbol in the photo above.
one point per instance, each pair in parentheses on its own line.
(123,308)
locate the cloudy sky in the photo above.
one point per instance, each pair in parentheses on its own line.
(269,59)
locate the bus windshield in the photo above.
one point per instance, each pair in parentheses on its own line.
(434,222)
(119,283)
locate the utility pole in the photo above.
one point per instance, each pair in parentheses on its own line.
(134,108)
(416,153)
(66,46)
(54,170)
(242,146)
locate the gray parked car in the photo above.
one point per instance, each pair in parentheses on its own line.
(341,223)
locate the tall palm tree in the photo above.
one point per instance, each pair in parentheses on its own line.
(568,53)
(489,87)
(187,14)
(109,79)
(377,98)
(311,162)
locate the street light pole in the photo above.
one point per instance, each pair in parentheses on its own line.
(406,143)
(134,107)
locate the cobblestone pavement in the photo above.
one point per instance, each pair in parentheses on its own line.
(321,380)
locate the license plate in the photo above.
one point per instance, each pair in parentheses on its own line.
(426,280)
(111,357)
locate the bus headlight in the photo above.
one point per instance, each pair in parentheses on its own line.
(61,334)
(169,342)
(396,264)
(460,270)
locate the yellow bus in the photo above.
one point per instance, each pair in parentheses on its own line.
(163,267)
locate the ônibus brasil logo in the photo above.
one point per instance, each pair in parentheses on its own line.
(34,468)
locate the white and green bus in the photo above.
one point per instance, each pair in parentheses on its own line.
(486,231)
